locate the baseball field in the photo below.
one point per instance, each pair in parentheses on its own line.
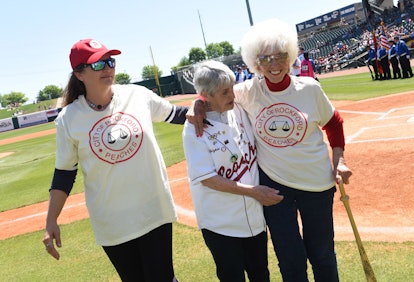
(380,151)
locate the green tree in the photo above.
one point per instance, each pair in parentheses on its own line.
(14,99)
(148,72)
(122,78)
(228,49)
(49,92)
(214,50)
(196,55)
(183,62)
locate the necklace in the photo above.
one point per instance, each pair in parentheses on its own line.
(97,107)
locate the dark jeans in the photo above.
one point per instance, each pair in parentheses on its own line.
(317,243)
(233,256)
(147,258)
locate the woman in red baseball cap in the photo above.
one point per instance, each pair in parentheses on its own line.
(107,130)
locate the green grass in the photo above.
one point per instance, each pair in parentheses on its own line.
(82,260)
(349,87)
(25,178)
(360,86)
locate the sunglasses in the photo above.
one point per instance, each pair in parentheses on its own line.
(267,60)
(100,65)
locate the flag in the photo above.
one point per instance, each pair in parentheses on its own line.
(376,49)
(383,36)
(384,42)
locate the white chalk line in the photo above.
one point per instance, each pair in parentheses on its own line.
(190,213)
(387,230)
(382,116)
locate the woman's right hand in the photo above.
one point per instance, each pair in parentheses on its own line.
(52,233)
(266,196)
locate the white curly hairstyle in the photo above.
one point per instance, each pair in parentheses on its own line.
(268,37)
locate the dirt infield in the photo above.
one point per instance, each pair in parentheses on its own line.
(379,135)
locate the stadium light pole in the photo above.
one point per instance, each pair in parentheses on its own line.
(202,30)
(249,12)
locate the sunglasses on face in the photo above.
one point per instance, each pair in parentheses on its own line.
(100,65)
(267,60)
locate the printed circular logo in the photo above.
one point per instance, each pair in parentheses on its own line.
(116,138)
(281,125)
(95,44)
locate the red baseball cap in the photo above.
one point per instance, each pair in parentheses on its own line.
(88,51)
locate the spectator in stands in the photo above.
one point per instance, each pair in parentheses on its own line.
(106,129)
(393,58)
(224,180)
(307,67)
(404,57)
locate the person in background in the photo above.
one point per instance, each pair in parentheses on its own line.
(107,130)
(382,56)
(250,75)
(307,67)
(240,75)
(372,61)
(223,176)
(404,57)
(300,53)
(393,58)
(295,69)
(288,114)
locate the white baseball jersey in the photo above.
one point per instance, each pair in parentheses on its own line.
(126,185)
(227,149)
(287,126)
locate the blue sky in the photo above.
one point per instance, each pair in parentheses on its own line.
(36,36)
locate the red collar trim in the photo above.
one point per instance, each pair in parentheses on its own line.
(278,86)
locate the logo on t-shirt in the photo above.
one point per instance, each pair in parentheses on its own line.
(281,125)
(116,138)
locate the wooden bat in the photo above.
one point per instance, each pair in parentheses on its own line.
(369,272)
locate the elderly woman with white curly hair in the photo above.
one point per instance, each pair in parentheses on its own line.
(288,114)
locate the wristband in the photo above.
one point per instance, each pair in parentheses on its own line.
(201,98)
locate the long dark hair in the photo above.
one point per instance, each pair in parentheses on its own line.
(74,88)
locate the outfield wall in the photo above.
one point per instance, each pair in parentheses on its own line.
(27,120)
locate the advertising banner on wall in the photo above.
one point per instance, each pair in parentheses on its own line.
(325,19)
(32,119)
(6,124)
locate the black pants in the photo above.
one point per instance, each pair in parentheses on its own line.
(375,67)
(395,68)
(405,67)
(234,255)
(147,258)
(385,68)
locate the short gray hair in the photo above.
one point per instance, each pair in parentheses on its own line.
(212,75)
(268,37)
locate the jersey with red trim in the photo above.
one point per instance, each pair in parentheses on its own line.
(227,149)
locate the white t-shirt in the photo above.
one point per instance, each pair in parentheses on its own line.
(126,186)
(227,148)
(287,127)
